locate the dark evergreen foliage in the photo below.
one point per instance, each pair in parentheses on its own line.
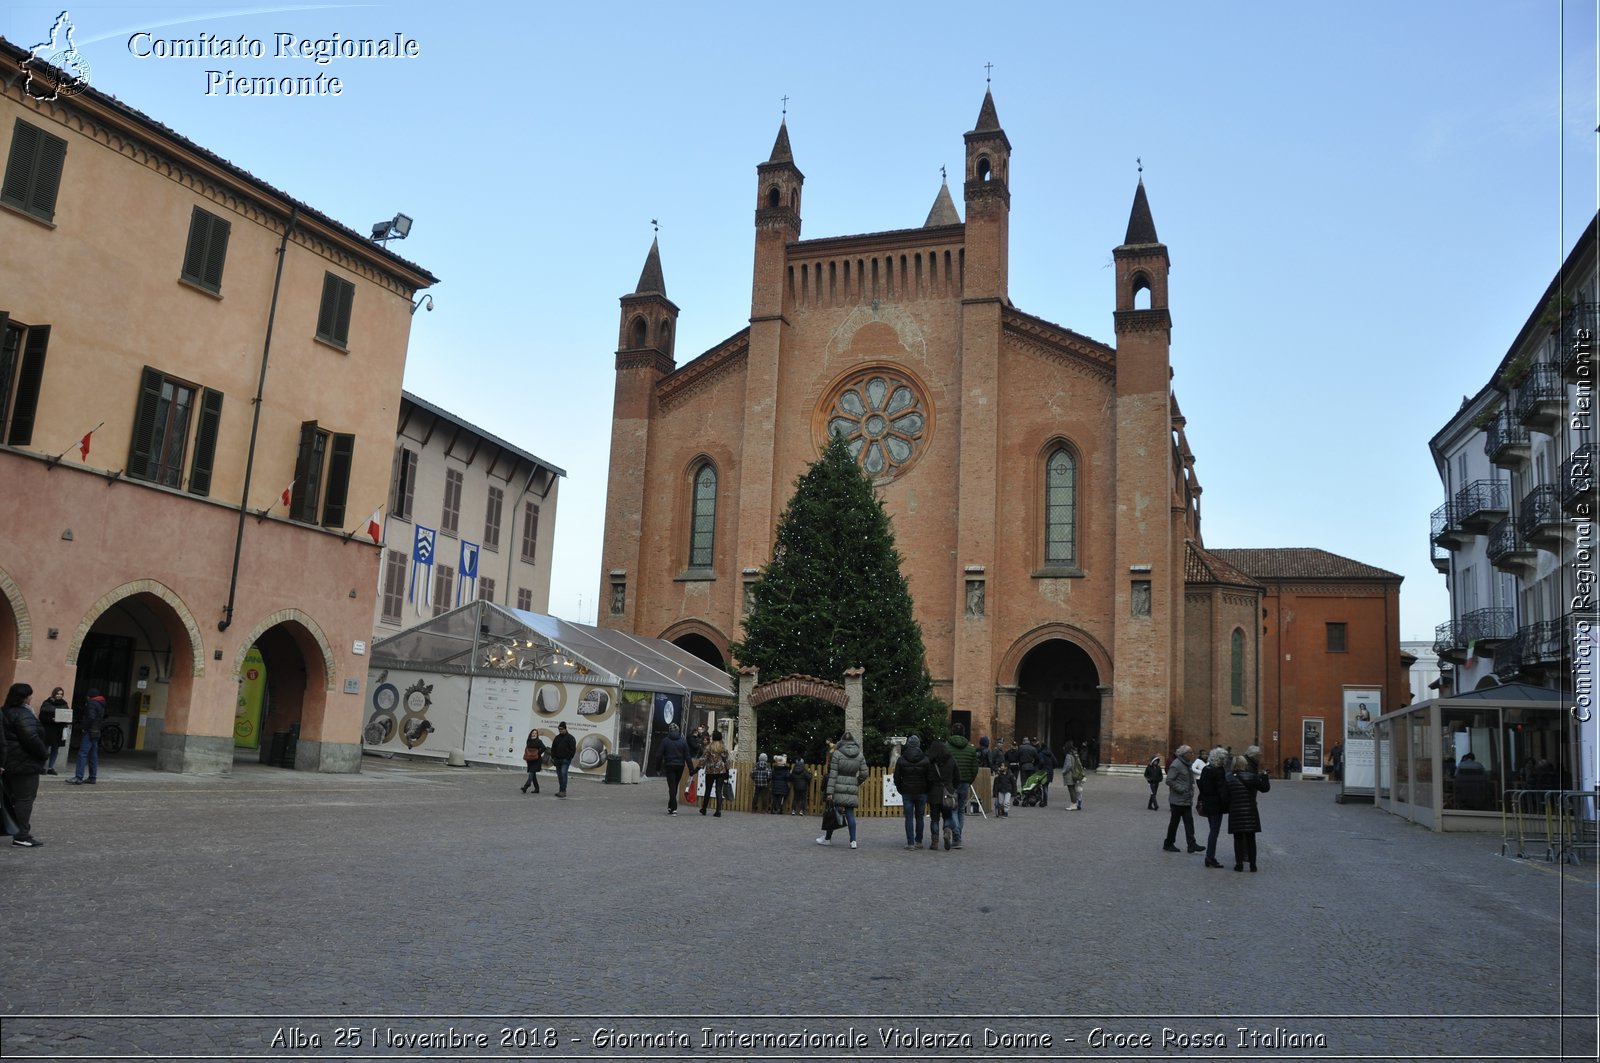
(833,598)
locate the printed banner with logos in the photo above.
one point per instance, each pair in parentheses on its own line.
(247,711)
(1311,747)
(590,713)
(421,713)
(1362,707)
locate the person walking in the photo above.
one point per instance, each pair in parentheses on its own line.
(562,750)
(1005,786)
(1244,816)
(1214,799)
(672,759)
(967,763)
(1047,764)
(54,712)
(715,759)
(533,756)
(1180,799)
(1153,775)
(1070,766)
(94,714)
(25,753)
(911,779)
(943,780)
(847,770)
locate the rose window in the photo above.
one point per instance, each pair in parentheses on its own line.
(883,418)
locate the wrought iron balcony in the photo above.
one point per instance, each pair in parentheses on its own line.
(1539,517)
(1481,503)
(1507,551)
(1578,340)
(1506,441)
(1488,627)
(1441,557)
(1508,656)
(1541,398)
(1576,479)
(1447,640)
(1547,644)
(1445,527)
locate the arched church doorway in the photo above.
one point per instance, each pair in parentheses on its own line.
(699,646)
(1058,696)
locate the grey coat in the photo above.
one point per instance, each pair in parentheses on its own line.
(1180,783)
(847,770)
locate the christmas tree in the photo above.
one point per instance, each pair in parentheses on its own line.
(833,598)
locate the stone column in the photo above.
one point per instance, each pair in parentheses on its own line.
(745,751)
(1005,714)
(854,712)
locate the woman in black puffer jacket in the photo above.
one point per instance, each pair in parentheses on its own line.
(25,753)
(1244,818)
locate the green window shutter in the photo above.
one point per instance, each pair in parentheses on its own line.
(140,459)
(205,443)
(29,381)
(347,297)
(207,249)
(339,460)
(216,254)
(194,253)
(47,176)
(303,503)
(19,163)
(328,312)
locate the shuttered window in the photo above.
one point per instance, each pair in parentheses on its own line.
(450,516)
(33,171)
(160,429)
(444,583)
(333,319)
(530,532)
(205,442)
(485,589)
(322,476)
(394,585)
(525,599)
(491,518)
(207,247)
(405,484)
(22,351)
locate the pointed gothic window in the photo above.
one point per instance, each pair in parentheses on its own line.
(702,524)
(1236,670)
(1060,508)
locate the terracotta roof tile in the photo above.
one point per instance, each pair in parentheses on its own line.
(1204,566)
(1300,562)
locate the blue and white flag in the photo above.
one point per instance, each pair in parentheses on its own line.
(422,558)
(469,571)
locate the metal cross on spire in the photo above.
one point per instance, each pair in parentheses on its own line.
(1140,162)
(988,69)
(655,225)
(786,107)
(942,175)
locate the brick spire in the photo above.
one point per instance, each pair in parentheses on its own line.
(944,209)
(1141,226)
(780,147)
(650,279)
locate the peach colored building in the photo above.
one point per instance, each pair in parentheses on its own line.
(176,307)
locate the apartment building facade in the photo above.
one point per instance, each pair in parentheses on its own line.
(184,510)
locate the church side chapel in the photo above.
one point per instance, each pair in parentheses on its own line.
(1041,489)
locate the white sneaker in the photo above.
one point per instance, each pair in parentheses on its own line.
(852,845)
(824,841)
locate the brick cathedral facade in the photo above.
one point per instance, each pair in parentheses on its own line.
(1040,485)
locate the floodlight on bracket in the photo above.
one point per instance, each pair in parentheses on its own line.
(396,228)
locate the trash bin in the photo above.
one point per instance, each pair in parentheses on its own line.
(613,768)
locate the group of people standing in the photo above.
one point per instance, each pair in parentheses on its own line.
(936,782)
(1226,785)
(30,744)
(561,751)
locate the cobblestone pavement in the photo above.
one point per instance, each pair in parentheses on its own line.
(252,914)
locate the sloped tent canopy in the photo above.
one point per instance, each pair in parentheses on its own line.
(480,676)
(483,638)
(1522,735)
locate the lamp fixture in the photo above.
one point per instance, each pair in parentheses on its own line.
(396,228)
(426,300)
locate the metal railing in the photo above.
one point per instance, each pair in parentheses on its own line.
(1505,540)
(1503,433)
(1543,385)
(1481,498)
(1508,657)
(1540,508)
(1563,820)
(1447,638)
(1483,625)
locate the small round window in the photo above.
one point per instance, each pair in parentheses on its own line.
(883,417)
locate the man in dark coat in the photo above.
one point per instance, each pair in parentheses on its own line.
(673,757)
(562,750)
(94,714)
(911,779)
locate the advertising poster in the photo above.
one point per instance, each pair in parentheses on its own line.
(590,713)
(499,716)
(1311,748)
(247,713)
(421,713)
(1362,706)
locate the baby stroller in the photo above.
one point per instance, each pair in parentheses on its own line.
(1032,791)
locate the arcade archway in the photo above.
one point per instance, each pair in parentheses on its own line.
(1058,695)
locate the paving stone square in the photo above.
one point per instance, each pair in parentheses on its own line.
(424,907)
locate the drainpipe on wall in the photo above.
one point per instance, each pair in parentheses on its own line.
(255,423)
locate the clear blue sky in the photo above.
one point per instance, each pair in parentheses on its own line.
(1362,201)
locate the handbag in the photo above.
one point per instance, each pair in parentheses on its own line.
(830,817)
